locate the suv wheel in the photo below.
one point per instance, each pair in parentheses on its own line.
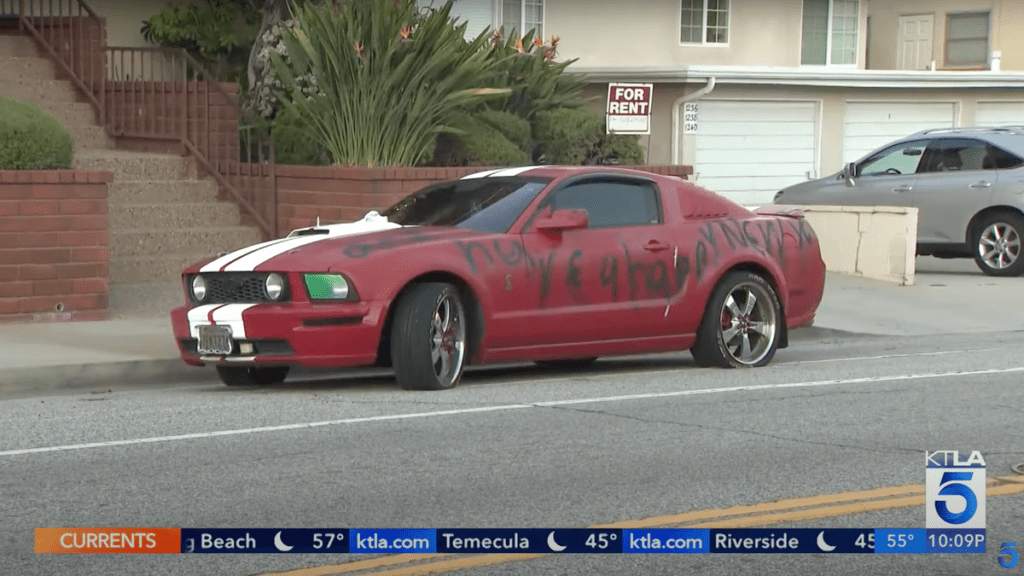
(997,244)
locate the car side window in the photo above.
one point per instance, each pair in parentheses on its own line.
(1002,160)
(612,203)
(899,159)
(957,155)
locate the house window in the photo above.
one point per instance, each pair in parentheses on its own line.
(830,32)
(704,22)
(521,16)
(967,39)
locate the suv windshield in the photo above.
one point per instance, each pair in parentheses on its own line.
(481,204)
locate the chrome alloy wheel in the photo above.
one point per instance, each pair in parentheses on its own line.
(999,246)
(447,339)
(749,323)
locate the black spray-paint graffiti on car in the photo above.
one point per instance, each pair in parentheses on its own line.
(406,237)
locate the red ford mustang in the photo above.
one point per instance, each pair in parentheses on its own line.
(556,265)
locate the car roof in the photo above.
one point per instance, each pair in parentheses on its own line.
(1009,137)
(555,172)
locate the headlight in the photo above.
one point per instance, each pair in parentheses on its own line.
(777,196)
(274,286)
(198,288)
(329,287)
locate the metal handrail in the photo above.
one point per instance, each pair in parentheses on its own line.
(58,27)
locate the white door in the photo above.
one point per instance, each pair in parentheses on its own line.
(914,46)
(871,125)
(999,114)
(749,150)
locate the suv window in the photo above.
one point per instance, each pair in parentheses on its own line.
(1003,160)
(957,155)
(899,159)
(612,203)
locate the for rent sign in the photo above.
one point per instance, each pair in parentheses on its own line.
(629,108)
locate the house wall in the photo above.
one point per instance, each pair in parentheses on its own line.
(616,34)
(124,19)
(1007,22)
(54,245)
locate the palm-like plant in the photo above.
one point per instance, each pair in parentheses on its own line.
(388,77)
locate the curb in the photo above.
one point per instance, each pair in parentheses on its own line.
(21,382)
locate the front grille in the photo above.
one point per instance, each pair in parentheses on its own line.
(237,288)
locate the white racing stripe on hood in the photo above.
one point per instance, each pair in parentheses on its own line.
(219,263)
(512,171)
(373,222)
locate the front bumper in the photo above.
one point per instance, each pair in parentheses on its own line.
(321,335)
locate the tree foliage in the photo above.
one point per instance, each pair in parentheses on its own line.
(389,78)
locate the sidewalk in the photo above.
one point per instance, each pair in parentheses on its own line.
(949,296)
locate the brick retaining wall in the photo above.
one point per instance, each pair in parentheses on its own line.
(54,245)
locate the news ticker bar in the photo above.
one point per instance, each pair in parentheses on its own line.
(506,541)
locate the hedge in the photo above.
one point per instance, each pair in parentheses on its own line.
(32,139)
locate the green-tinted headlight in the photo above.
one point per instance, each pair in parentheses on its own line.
(328,287)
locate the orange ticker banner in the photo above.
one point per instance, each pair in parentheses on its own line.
(108,541)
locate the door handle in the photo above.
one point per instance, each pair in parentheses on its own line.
(981,184)
(903,188)
(655,246)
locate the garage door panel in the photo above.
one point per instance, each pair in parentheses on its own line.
(720,142)
(871,125)
(1000,114)
(775,169)
(733,128)
(735,158)
(743,112)
(749,150)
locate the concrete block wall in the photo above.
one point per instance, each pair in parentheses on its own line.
(878,242)
(54,245)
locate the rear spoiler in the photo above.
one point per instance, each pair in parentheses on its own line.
(780,210)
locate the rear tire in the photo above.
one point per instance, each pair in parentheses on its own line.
(568,364)
(252,375)
(742,324)
(996,244)
(428,338)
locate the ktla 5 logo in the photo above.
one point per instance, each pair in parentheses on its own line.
(954,490)
(1007,549)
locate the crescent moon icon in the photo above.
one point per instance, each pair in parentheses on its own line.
(822,544)
(554,545)
(280,545)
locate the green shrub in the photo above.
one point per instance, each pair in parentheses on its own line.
(32,139)
(515,129)
(568,136)
(623,148)
(293,143)
(478,143)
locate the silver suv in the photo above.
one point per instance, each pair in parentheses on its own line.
(967,183)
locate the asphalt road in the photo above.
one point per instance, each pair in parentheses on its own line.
(521,447)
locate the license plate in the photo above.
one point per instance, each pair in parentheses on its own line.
(215,340)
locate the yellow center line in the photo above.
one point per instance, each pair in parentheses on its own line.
(746,516)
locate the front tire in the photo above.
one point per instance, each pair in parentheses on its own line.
(742,324)
(252,375)
(428,338)
(997,244)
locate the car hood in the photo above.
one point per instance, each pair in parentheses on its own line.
(796,190)
(321,248)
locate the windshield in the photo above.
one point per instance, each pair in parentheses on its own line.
(481,204)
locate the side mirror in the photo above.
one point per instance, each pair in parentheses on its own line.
(562,220)
(850,171)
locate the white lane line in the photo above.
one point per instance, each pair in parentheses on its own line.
(498,408)
(883,357)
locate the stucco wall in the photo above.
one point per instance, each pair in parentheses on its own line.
(124,19)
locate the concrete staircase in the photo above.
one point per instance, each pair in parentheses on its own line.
(162,217)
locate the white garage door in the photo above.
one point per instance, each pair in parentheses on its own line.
(1000,114)
(749,150)
(871,125)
